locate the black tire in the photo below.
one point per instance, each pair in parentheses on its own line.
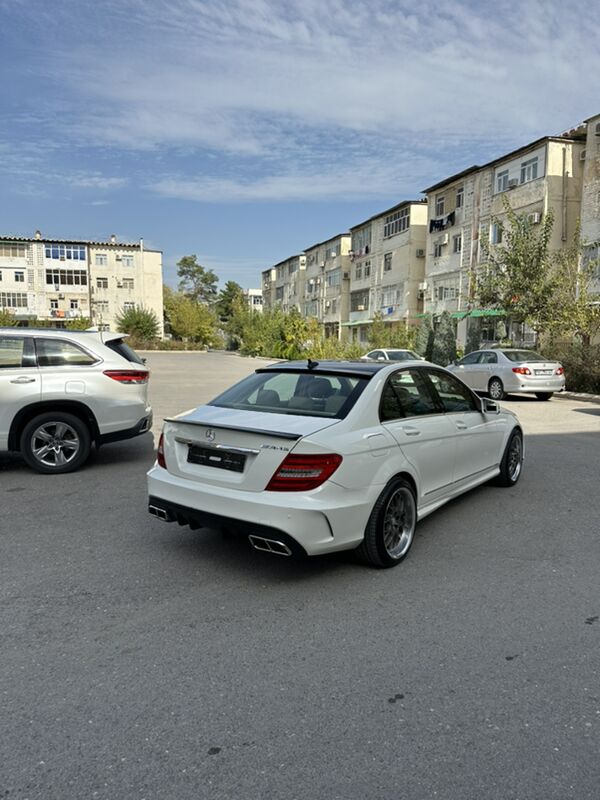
(544,395)
(55,442)
(379,547)
(511,465)
(496,389)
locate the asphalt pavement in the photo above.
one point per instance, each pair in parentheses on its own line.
(141,660)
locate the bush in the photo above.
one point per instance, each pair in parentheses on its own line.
(444,341)
(139,322)
(581,363)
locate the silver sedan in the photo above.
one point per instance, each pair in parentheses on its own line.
(502,371)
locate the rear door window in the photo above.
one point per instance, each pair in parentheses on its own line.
(60,353)
(454,395)
(407,394)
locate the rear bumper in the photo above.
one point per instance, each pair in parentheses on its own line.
(142,426)
(527,387)
(328,519)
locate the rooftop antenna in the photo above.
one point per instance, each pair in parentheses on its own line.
(312,364)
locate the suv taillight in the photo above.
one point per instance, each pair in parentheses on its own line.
(522,370)
(301,473)
(128,375)
(160,453)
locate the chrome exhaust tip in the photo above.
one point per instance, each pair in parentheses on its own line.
(161,513)
(269,545)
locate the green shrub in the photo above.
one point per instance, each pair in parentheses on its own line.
(139,322)
(581,363)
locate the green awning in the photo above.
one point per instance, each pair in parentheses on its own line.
(487,312)
(459,314)
(358,322)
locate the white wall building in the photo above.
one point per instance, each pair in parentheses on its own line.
(59,279)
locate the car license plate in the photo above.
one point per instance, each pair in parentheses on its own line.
(221,459)
(543,372)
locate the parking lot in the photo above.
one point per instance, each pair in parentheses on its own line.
(143,660)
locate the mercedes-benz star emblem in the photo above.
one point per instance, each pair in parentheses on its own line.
(210,435)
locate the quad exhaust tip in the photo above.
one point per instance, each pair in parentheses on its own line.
(161,513)
(269,545)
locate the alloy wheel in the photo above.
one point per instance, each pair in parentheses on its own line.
(399,522)
(55,444)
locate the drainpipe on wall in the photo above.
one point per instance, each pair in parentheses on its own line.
(563,233)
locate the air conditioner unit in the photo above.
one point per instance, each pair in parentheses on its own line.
(322,264)
(533,218)
(118,258)
(311,281)
(56,287)
(360,308)
(443,239)
(582,155)
(319,279)
(420,253)
(61,297)
(346,275)
(327,303)
(513,182)
(119,285)
(423,286)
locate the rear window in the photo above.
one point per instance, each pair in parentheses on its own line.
(298,393)
(401,355)
(523,355)
(123,349)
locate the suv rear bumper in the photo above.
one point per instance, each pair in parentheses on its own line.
(143,426)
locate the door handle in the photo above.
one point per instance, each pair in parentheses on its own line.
(411,431)
(23,379)
(461,426)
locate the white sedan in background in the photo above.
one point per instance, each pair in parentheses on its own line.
(311,458)
(389,354)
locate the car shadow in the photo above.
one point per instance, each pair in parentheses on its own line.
(594,412)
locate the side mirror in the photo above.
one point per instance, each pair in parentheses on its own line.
(380,358)
(489,406)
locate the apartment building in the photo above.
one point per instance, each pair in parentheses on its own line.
(286,284)
(590,198)
(327,283)
(388,267)
(254,298)
(466,211)
(59,279)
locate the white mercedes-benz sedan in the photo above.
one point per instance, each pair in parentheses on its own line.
(310,458)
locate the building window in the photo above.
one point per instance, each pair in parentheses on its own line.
(334,277)
(502,181)
(66,277)
(68,252)
(74,304)
(390,296)
(358,272)
(396,223)
(127,261)
(359,301)
(53,305)
(457,243)
(361,241)
(102,283)
(387,262)
(19,277)
(101,260)
(460,197)
(437,249)
(439,204)
(496,233)
(529,170)
(102,305)
(367,269)
(0,274)
(128,306)
(12,250)
(13,300)
(128,283)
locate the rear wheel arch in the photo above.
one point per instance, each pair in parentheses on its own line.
(25,415)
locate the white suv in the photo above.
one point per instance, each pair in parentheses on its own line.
(61,391)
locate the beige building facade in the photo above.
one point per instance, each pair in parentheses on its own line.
(327,282)
(61,280)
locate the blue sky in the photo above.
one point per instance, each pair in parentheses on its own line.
(246,130)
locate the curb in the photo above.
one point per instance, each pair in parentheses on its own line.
(584,397)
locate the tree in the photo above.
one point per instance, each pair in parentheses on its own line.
(228,297)
(190,320)
(444,341)
(379,334)
(424,338)
(139,322)
(78,324)
(195,281)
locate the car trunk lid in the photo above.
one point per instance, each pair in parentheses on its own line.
(235,448)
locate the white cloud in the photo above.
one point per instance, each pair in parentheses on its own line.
(323,98)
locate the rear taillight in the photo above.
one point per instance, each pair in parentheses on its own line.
(128,375)
(522,370)
(160,453)
(560,371)
(300,473)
